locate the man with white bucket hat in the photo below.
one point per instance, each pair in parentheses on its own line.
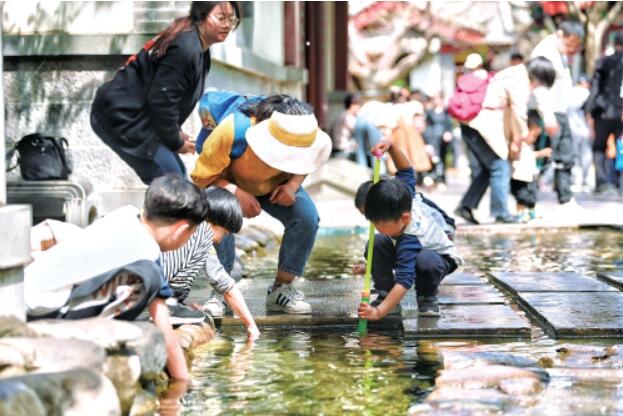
(278,152)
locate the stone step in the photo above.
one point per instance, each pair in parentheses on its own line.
(612,278)
(566,304)
(576,314)
(515,282)
(462,279)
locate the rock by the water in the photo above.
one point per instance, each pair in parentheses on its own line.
(10,326)
(75,392)
(52,355)
(124,371)
(110,334)
(150,348)
(17,399)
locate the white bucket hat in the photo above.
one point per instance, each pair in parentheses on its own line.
(290,143)
(473,61)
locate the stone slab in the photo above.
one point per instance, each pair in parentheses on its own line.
(478,294)
(614,278)
(474,321)
(516,282)
(463,279)
(576,314)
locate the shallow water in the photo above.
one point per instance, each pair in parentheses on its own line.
(320,372)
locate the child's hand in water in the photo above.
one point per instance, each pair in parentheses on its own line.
(359,268)
(381,147)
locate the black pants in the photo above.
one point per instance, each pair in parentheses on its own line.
(603,166)
(430,269)
(524,192)
(563,156)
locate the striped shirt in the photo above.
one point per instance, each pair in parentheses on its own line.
(182,266)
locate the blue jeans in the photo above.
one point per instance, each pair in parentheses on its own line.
(493,172)
(301,225)
(367,135)
(163,161)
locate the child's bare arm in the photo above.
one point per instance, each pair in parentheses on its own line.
(236,302)
(176,363)
(398,157)
(389,303)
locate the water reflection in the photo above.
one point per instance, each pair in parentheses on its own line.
(299,372)
(295,372)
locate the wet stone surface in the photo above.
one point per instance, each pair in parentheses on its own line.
(615,279)
(450,295)
(577,314)
(467,320)
(462,279)
(550,282)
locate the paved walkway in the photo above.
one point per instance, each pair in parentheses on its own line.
(564,305)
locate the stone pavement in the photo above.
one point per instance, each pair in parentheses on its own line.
(471,305)
(564,305)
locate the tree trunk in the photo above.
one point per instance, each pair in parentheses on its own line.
(591,47)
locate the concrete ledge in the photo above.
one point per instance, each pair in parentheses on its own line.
(63,44)
(15,246)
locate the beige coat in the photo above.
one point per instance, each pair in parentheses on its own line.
(504,114)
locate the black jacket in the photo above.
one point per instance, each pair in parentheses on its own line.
(604,101)
(148,99)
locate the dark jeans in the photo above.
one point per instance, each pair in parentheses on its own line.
(603,165)
(524,192)
(163,161)
(301,225)
(563,156)
(493,172)
(430,267)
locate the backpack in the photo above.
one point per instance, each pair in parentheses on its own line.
(214,106)
(42,157)
(467,100)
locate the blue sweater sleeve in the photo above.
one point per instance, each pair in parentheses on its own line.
(407,176)
(407,249)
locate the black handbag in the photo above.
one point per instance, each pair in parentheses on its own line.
(43,157)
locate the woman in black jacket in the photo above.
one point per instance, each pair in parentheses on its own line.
(138,114)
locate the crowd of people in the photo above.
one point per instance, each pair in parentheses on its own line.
(254,154)
(535,128)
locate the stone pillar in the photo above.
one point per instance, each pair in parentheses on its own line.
(15,223)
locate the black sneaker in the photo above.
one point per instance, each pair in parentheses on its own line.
(427,306)
(467,214)
(181,314)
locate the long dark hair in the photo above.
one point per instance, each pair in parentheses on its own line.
(199,10)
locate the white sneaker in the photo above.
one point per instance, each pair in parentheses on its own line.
(287,299)
(215,306)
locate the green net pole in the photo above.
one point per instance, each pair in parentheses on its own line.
(365,295)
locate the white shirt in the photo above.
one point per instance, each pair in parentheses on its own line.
(110,242)
(559,93)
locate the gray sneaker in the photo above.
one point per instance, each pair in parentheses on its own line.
(180,315)
(427,306)
(215,306)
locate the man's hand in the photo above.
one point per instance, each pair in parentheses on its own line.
(187,147)
(368,312)
(447,136)
(248,203)
(283,195)
(514,150)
